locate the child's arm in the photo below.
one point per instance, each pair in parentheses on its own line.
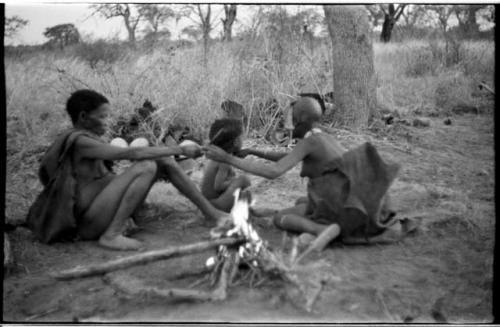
(268,155)
(222,177)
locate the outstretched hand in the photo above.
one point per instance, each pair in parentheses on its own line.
(215,153)
(243,153)
(191,149)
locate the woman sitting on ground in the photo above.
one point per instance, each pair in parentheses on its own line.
(101,201)
(346,192)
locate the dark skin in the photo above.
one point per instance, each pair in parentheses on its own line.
(313,149)
(107,200)
(219,182)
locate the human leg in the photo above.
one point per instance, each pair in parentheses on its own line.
(169,168)
(107,215)
(293,219)
(226,200)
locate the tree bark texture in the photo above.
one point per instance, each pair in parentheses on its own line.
(227,23)
(354,80)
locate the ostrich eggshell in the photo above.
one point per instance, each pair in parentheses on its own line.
(187,143)
(119,142)
(138,142)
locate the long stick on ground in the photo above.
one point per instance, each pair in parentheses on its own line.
(141,258)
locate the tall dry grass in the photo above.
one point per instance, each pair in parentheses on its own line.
(412,76)
(416,76)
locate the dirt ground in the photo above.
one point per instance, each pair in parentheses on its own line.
(443,272)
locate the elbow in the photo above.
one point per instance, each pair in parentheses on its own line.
(273,174)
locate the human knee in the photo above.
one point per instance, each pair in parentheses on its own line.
(243,181)
(146,167)
(302,200)
(277,219)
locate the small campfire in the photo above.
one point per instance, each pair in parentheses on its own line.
(241,256)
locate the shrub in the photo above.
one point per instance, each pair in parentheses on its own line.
(98,52)
(453,90)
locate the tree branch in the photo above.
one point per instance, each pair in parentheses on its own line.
(142,258)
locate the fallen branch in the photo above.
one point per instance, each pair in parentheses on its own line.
(134,288)
(486,87)
(142,258)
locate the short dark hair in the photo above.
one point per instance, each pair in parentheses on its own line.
(224,131)
(83,100)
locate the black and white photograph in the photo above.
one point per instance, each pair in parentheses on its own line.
(249,163)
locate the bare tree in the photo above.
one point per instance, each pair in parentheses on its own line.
(376,14)
(389,13)
(155,16)
(353,69)
(62,35)
(391,16)
(203,23)
(412,15)
(443,13)
(131,19)
(466,16)
(13,25)
(227,22)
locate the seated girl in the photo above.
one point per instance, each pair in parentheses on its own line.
(346,191)
(219,180)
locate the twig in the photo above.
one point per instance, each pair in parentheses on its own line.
(220,293)
(142,258)
(41,314)
(310,300)
(294,251)
(199,281)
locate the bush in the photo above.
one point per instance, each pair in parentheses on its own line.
(420,61)
(453,90)
(98,52)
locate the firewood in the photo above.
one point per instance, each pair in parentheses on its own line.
(133,287)
(220,293)
(142,258)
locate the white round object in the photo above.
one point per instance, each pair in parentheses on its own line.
(210,262)
(119,142)
(187,143)
(139,142)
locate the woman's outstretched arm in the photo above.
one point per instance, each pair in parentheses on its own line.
(266,170)
(268,155)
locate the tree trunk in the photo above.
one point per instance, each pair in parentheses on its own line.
(130,30)
(227,23)
(387,27)
(472,28)
(353,71)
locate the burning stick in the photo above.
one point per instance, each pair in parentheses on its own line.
(141,258)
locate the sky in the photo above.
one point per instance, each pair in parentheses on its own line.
(41,16)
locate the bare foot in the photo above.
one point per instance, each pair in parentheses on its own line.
(131,227)
(306,239)
(391,235)
(120,242)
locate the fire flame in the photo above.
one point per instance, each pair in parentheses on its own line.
(242,227)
